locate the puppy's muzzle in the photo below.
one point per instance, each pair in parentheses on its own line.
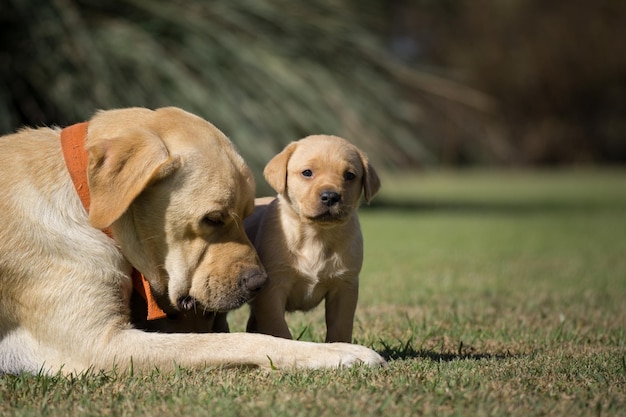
(329,198)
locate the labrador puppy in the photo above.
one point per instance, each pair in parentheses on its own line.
(171,193)
(309,238)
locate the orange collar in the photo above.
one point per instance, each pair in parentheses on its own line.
(72,142)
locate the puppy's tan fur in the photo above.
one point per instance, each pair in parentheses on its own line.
(309,238)
(174,193)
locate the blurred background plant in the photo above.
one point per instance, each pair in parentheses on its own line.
(415,83)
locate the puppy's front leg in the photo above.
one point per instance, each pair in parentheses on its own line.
(340,308)
(220,323)
(267,315)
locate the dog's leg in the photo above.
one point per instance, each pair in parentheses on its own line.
(165,351)
(16,352)
(112,348)
(340,309)
(98,339)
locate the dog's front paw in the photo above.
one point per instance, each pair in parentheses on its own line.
(357,354)
(277,353)
(338,355)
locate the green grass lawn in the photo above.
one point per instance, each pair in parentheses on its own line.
(491,293)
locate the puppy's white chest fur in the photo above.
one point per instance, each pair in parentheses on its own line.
(319,267)
(312,285)
(318,263)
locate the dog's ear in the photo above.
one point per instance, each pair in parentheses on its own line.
(119,169)
(275,171)
(371,181)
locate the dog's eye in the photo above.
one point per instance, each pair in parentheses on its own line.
(349,176)
(307,173)
(213,220)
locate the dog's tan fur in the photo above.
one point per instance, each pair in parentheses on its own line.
(174,193)
(312,249)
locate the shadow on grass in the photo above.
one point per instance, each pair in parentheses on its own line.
(464,353)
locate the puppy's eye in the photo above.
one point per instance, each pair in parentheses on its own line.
(212,220)
(349,176)
(307,173)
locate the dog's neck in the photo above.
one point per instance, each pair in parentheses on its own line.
(73,145)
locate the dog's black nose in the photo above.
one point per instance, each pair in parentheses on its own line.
(253,281)
(187,303)
(329,198)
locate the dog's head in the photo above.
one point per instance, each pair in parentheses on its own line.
(174,192)
(322,178)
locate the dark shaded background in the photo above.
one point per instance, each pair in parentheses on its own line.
(415,83)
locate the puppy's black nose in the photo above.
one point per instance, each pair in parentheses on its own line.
(253,281)
(329,198)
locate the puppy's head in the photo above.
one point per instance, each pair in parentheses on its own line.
(175,192)
(322,178)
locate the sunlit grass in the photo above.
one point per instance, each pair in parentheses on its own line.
(489,293)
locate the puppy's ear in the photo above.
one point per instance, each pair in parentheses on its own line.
(275,171)
(371,181)
(119,170)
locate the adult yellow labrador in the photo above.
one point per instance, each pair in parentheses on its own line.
(309,238)
(173,193)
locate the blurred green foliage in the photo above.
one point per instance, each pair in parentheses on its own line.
(266,72)
(413,83)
